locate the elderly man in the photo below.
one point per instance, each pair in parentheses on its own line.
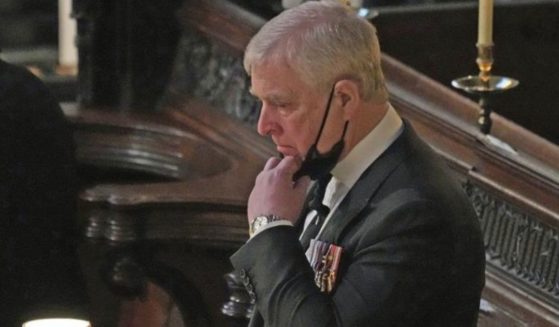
(388,238)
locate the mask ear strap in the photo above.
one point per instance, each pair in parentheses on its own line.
(341,141)
(326,114)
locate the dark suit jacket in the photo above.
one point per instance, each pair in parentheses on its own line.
(412,252)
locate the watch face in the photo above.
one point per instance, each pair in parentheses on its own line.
(257,223)
(260,221)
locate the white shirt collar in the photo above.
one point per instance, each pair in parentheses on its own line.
(368,149)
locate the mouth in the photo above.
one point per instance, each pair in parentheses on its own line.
(287,150)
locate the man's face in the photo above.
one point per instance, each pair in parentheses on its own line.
(291,110)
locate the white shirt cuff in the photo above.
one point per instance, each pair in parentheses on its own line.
(282,222)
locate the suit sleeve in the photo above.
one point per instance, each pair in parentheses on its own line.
(391,265)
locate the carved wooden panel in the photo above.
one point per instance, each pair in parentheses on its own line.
(521,251)
(518,243)
(204,70)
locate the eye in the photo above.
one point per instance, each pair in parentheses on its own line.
(284,108)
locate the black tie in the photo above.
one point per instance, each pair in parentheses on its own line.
(321,211)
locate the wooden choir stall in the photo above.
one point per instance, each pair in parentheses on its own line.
(167,154)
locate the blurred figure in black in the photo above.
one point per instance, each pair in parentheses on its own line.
(39,269)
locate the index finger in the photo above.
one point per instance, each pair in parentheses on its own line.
(272,163)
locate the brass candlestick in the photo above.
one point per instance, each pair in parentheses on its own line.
(484,84)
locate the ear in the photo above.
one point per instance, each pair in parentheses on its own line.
(348,97)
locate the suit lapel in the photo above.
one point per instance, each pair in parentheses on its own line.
(300,223)
(364,189)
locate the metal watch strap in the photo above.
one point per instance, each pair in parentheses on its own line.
(261,221)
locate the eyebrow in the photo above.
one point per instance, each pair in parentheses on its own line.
(275,97)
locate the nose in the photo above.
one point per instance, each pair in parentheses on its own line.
(266,121)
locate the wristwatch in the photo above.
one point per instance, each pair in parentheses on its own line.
(261,221)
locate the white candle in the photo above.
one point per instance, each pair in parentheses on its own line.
(485,23)
(67,51)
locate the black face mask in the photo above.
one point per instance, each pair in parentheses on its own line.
(317,165)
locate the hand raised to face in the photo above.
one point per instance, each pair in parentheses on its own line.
(275,192)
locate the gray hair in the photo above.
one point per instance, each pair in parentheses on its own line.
(322,42)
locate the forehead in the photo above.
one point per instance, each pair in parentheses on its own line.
(276,79)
